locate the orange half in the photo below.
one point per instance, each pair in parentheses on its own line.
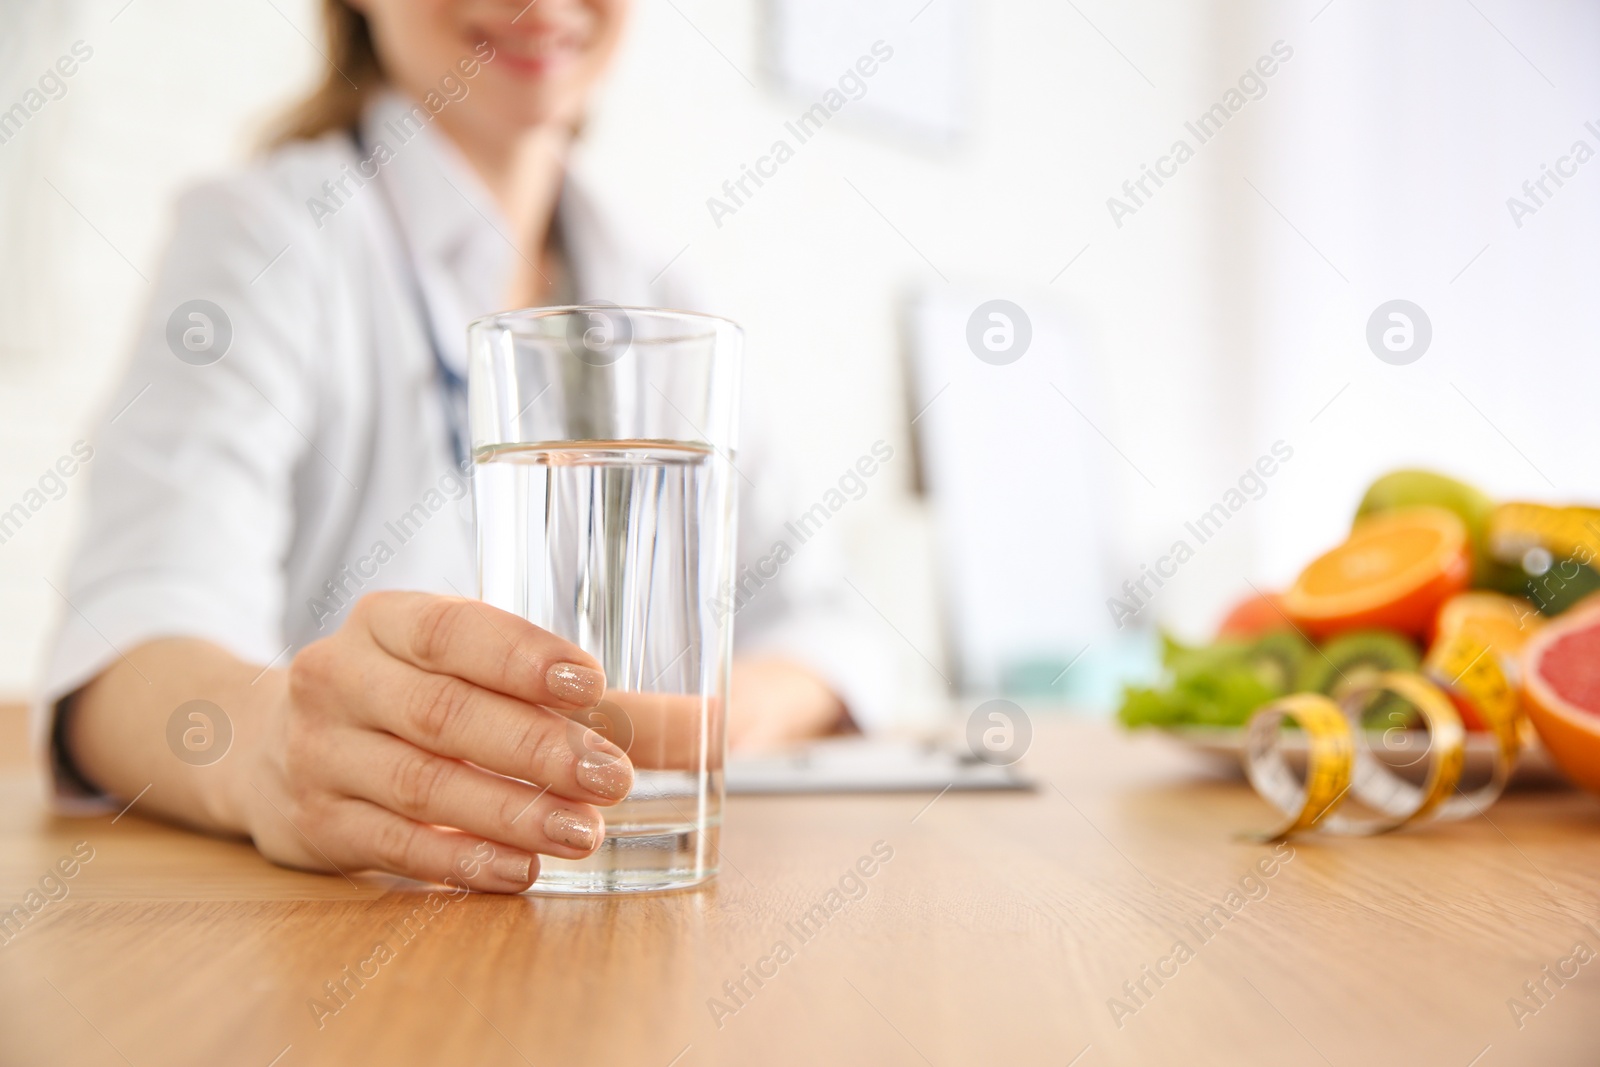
(1393,572)
(1504,623)
(1476,654)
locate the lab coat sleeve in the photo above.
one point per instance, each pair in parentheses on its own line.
(188,525)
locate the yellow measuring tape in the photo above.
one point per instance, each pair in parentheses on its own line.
(1340,760)
(1328,761)
(1467,666)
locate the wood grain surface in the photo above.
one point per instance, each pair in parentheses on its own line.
(998,932)
(13,735)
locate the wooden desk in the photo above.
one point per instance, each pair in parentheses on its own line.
(996,934)
(13,736)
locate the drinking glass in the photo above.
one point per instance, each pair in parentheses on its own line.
(605,496)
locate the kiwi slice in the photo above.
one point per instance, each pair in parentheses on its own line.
(1220,684)
(1280,658)
(1350,657)
(1274,659)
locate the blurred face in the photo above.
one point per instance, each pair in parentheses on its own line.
(532,64)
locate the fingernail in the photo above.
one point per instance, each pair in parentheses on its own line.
(515,869)
(575,684)
(573,830)
(610,776)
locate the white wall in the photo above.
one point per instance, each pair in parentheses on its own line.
(1396,161)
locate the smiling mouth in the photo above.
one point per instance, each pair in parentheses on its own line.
(534,52)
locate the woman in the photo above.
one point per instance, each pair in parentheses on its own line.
(289,403)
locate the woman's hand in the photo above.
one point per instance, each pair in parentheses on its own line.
(775,702)
(431,737)
(395,742)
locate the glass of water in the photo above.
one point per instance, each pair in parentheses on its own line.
(604,488)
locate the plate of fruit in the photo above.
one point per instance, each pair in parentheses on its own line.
(1427,559)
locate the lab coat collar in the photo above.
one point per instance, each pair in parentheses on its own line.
(445,214)
(450,223)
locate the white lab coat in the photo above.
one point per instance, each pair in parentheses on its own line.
(241,501)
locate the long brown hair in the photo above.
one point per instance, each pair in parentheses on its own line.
(353,73)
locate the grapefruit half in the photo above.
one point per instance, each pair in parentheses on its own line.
(1561,691)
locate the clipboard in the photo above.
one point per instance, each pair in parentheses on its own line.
(869,765)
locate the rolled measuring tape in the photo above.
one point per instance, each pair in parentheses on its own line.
(1376,782)
(1329,752)
(1468,668)
(1339,762)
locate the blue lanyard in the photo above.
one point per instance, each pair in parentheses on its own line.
(453,386)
